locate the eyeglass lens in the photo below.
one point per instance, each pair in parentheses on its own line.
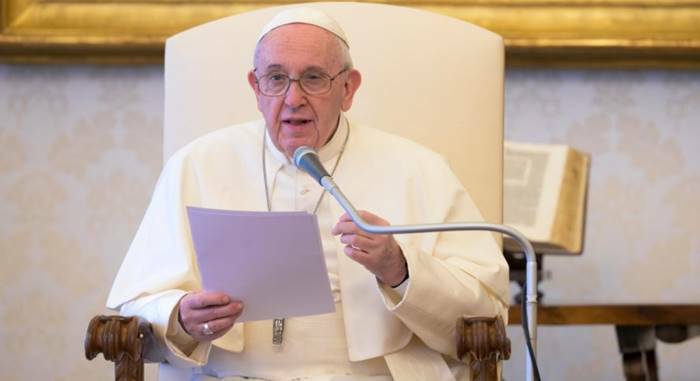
(312,82)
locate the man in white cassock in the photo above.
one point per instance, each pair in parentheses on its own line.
(397,298)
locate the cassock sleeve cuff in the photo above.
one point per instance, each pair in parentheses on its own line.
(394,296)
(186,349)
(161,311)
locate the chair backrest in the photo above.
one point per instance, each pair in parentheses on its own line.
(428,77)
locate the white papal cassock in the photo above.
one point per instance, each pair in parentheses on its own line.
(377,333)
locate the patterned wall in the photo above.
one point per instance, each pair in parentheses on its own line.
(81,152)
(642,129)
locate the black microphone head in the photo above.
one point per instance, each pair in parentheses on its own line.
(307,159)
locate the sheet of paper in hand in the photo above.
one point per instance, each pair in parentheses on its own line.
(272,261)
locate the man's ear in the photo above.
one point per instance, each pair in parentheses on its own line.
(253,82)
(352,83)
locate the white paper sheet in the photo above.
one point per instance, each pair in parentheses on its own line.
(271,261)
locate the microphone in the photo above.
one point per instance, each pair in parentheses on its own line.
(307,159)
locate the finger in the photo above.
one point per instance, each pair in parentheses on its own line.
(372,218)
(349,228)
(362,213)
(205,299)
(218,327)
(344,227)
(359,256)
(195,328)
(359,241)
(222,323)
(211,313)
(344,223)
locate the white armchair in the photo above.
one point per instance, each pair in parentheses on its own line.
(431,78)
(427,77)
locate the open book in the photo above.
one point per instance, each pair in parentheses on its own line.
(545,195)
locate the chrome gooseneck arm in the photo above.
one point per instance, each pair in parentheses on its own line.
(530,306)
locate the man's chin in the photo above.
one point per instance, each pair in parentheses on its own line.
(289,149)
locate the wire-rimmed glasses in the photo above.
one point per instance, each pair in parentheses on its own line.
(312,82)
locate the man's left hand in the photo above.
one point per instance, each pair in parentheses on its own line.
(378,253)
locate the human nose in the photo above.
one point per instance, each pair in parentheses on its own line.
(295,96)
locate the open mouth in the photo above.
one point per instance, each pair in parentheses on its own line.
(296,121)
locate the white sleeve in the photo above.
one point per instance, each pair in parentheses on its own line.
(458,274)
(172,344)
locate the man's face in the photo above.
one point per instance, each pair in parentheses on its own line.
(296,119)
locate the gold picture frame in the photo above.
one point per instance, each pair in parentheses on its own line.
(553,33)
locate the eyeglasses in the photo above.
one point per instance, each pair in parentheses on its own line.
(312,82)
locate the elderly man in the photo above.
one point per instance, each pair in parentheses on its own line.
(397,298)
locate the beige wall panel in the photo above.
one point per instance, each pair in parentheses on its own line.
(81,148)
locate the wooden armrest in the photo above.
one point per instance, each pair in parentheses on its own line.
(482,342)
(119,339)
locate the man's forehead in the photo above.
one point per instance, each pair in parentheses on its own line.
(298,44)
(274,67)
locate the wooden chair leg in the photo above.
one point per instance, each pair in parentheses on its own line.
(637,346)
(119,339)
(482,342)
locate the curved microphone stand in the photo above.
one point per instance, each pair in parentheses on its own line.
(306,159)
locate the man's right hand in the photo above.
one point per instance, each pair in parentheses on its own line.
(218,310)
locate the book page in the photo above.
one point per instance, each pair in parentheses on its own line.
(570,218)
(522,179)
(544,195)
(532,177)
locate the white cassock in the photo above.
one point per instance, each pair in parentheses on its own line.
(377,333)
